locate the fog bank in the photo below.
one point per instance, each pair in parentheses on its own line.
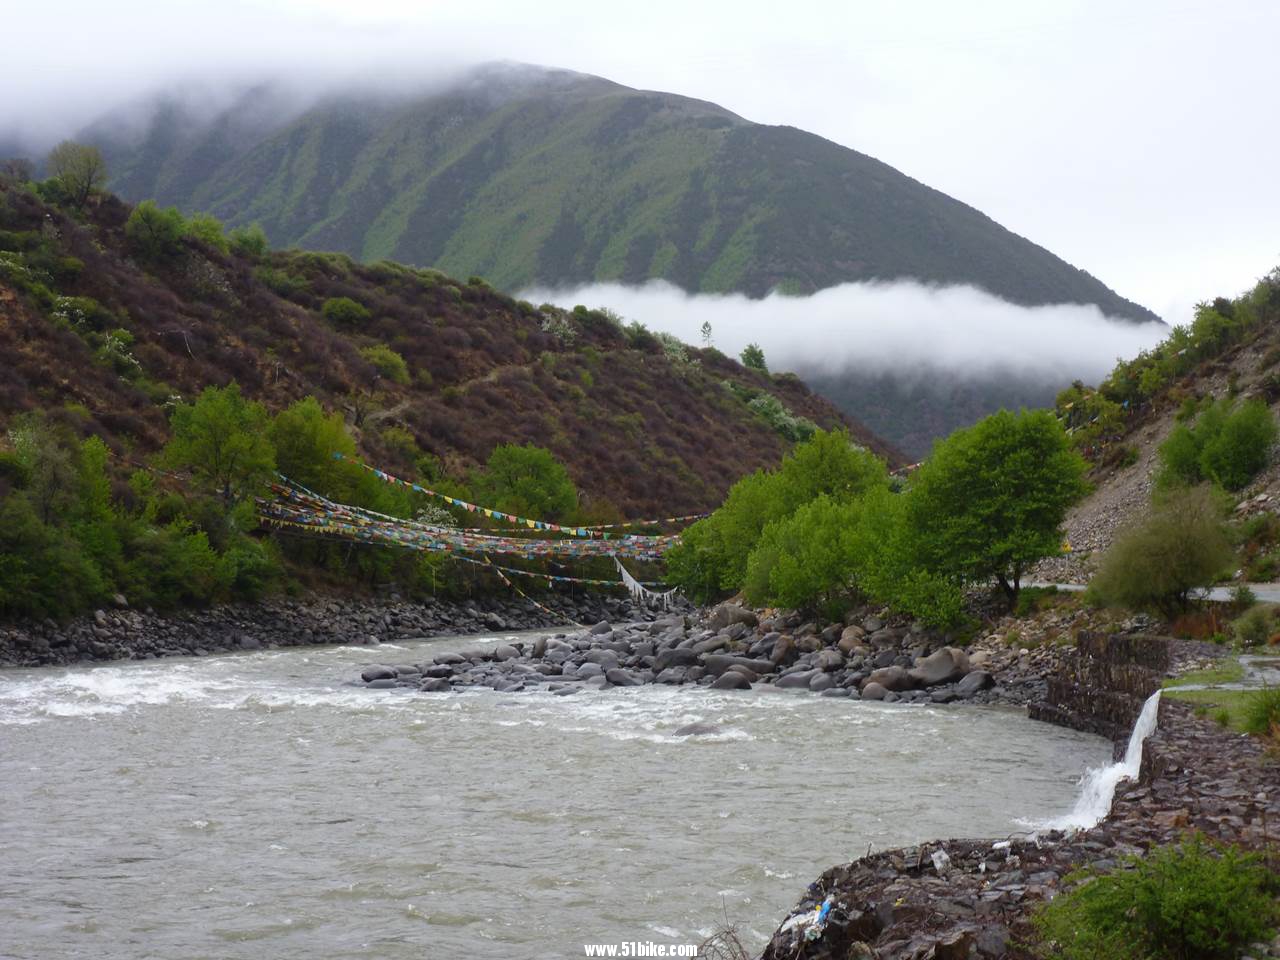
(901,326)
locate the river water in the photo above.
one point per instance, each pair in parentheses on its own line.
(262,806)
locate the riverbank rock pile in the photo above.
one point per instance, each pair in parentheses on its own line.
(729,648)
(975,898)
(122,633)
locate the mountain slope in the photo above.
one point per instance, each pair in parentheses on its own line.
(106,340)
(524,175)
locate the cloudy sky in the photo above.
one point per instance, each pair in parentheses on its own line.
(1137,140)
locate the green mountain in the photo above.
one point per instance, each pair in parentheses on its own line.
(525,175)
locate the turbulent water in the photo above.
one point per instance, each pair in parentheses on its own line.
(261,806)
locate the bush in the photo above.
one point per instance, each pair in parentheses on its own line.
(1254,628)
(155,234)
(387,362)
(344,311)
(1192,901)
(248,241)
(526,481)
(806,560)
(1156,564)
(1227,445)
(753,358)
(207,228)
(1262,712)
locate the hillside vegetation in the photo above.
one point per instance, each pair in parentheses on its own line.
(525,175)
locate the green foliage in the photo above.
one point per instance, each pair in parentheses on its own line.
(991,499)
(1255,626)
(1262,712)
(1157,563)
(1228,445)
(222,439)
(1192,901)
(79,169)
(711,558)
(207,228)
(153,233)
(753,358)
(770,409)
(806,559)
(249,242)
(344,311)
(387,362)
(526,481)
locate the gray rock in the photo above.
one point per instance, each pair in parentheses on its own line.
(449,658)
(850,638)
(714,643)
(835,692)
(973,682)
(829,659)
(564,691)
(942,666)
(873,691)
(872,624)
(820,682)
(606,658)
(435,685)
(784,650)
(596,683)
(602,627)
(383,683)
(621,678)
(729,613)
(718,663)
(505,651)
(539,648)
(675,657)
(672,675)
(377,672)
(439,670)
(700,728)
(731,680)
(588,670)
(799,679)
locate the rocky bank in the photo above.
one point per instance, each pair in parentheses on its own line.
(121,633)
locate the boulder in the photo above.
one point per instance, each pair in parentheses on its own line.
(872,624)
(718,663)
(784,649)
(449,658)
(873,691)
(671,675)
(621,678)
(435,685)
(820,682)
(799,679)
(602,627)
(504,652)
(850,638)
(829,659)
(942,666)
(709,645)
(588,670)
(729,613)
(698,729)
(973,682)
(890,678)
(377,672)
(383,683)
(731,680)
(539,648)
(835,692)
(675,657)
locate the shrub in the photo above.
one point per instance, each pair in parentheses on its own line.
(344,311)
(207,228)
(155,234)
(527,481)
(1254,628)
(248,241)
(1262,712)
(222,439)
(387,362)
(1157,563)
(78,168)
(1191,901)
(753,358)
(805,560)
(1228,445)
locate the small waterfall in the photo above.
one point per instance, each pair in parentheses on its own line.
(1099,787)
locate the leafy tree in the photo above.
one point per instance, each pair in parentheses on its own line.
(248,241)
(207,228)
(153,233)
(753,357)
(1157,563)
(526,481)
(344,311)
(1227,444)
(222,439)
(807,559)
(706,333)
(991,499)
(387,362)
(79,168)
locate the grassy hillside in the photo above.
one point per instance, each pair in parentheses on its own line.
(108,340)
(523,175)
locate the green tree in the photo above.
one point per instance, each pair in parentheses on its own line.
(526,481)
(1242,447)
(807,559)
(706,333)
(153,233)
(990,501)
(79,168)
(387,362)
(222,439)
(248,241)
(753,357)
(1156,564)
(344,311)
(207,228)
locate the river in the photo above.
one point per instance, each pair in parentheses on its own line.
(260,806)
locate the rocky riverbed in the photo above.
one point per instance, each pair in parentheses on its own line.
(733,648)
(121,633)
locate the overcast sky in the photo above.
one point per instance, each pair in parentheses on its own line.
(1138,140)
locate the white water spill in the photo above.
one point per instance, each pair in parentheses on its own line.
(268,805)
(1098,789)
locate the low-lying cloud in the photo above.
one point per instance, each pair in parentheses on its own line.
(900,326)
